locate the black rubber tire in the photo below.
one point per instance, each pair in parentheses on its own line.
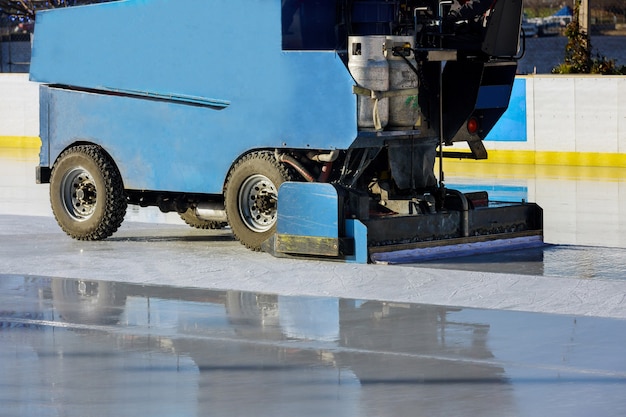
(87,194)
(192,220)
(252,218)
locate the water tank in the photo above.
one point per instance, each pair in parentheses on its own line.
(370,69)
(403,110)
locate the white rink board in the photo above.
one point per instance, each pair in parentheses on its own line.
(577,113)
(19,106)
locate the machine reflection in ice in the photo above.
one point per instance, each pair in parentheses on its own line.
(238,353)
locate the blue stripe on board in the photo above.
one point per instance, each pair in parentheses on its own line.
(512,125)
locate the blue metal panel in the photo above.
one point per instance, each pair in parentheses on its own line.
(44,151)
(512,125)
(358,231)
(226,50)
(308,209)
(144,45)
(156,145)
(227,54)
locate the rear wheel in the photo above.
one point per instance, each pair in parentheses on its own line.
(87,193)
(251,197)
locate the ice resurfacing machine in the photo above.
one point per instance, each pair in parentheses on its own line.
(310,127)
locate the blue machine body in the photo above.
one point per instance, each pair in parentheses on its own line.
(177,101)
(222,111)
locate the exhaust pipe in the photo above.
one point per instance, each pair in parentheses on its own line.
(211,211)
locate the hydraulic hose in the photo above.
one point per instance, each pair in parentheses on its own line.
(289,160)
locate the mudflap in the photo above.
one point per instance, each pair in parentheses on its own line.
(311,223)
(318,220)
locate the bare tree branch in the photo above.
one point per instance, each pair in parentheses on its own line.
(28,8)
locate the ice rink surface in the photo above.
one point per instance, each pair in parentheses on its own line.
(162,319)
(79,347)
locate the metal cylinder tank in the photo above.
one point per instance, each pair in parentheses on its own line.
(403,110)
(370,70)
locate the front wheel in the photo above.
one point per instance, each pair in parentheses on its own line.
(251,197)
(87,193)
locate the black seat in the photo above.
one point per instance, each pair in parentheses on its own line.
(503,28)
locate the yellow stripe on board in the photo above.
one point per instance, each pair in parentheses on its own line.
(480,169)
(501,163)
(20,142)
(20,147)
(577,159)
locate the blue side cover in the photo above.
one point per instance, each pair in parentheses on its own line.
(308,209)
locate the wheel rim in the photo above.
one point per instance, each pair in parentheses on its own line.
(257,203)
(79,194)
